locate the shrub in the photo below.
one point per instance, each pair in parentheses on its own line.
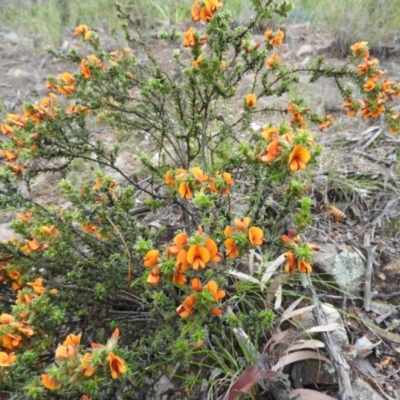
(170,292)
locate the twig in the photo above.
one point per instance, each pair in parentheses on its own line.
(368,276)
(127,252)
(339,362)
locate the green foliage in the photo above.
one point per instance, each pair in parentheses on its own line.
(110,252)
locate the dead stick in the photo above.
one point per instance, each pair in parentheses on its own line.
(368,277)
(339,362)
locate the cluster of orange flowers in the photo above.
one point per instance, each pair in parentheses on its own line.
(203,10)
(185,254)
(191,38)
(13,334)
(379,90)
(281,145)
(293,241)
(75,365)
(274,39)
(188,305)
(189,181)
(235,235)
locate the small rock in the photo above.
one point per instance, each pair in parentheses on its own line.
(305,50)
(363,391)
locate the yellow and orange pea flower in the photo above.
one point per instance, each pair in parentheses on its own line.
(6,360)
(198,256)
(187,306)
(37,286)
(65,352)
(251,100)
(154,277)
(89,227)
(87,368)
(49,230)
(81,30)
(197,62)
(232,250)
(351,106)
(212,287)
(5,319)
(256,236)
(298,158)
(242,223)
(291,262)
(185,191)
(274,38)
(180,241)
(32,245)
(360,48)
(17,169)
(90,61)
(370,84)
(117,365)
(327,123)
(50,383)
(189,39)
(151,258)
(11,341)
(367,66)
(271,153)
(14,274)
(72,339)
(203,10)
(8,155)
(290,237)
(273,61)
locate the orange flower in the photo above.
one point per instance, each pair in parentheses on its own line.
(186,308)
(196,63)
(242,223)
(179,279)
(154,277)
(229,231)
(169,180)
(151,258)
(5,319)
(304,267)
(290,266)
(65,352)
(270,134)
(73,340)
(217,294)
(11,341)
(198,174)
(32,245)
(371,84)
(188,38)
(117,365)
(251,100)
(37,286)
(85,71)
(6,129)
(274,61)
(185,191)
(182,264)
(14,274)
(87,369)
(81,30)
(351,106)
(290,237)
(195,284)
(228,178)
(360,48)
(180,240)
(231,249)
(88,227)
(298,158)
(277,39)
(198,256)
(50,383)
(6,360)
(256,236)
(8,155)
(328,122)
(272,152)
